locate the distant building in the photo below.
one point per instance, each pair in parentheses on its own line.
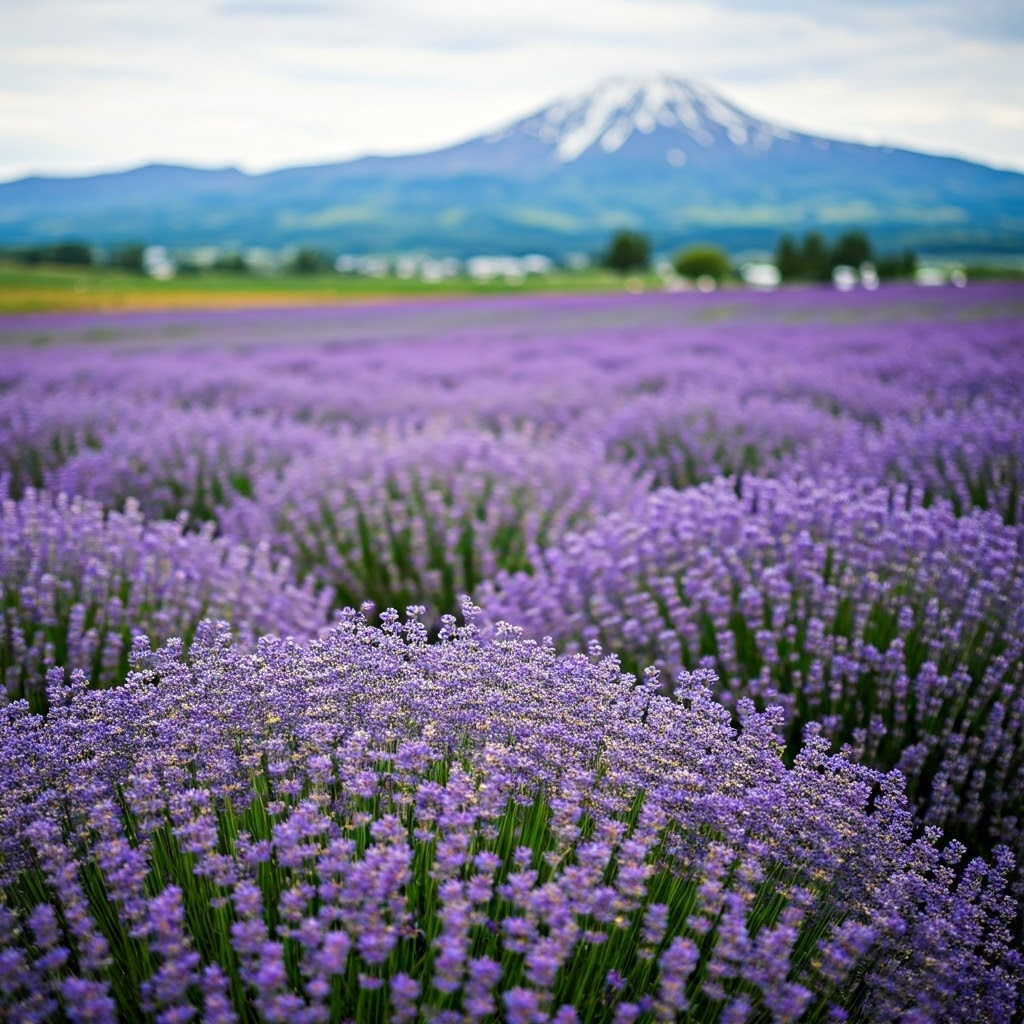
(868,276)
(930,277)
(365,266)
(157,263)
(764,277)
(534,263)
(261,261)
(490,268)
(844,278)
(433,271)
(406,268)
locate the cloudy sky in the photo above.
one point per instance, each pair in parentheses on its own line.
(90,85)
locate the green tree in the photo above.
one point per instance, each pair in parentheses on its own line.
(898,266)
(233,262)
(129,257)
(308,261)
(815,258)
(76,254)
(67,253)
(788,259)
(852,249)
(628,250)
(703,261)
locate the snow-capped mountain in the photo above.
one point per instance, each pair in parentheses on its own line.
(657,153)
(654,120)
(607,117)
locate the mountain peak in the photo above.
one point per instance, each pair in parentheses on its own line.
(618,108)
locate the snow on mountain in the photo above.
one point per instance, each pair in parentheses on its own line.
(619,108)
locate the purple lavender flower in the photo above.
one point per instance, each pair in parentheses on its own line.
(340,904)
(80,585)
(898,629)
(375,824)
(410,516)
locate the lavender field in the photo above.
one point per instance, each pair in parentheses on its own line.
(598,659)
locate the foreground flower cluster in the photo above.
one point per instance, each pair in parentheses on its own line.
(899,630)
(794,520)
(377,827)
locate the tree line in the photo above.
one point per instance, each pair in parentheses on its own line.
(66,254)
(811,258)
(131,257)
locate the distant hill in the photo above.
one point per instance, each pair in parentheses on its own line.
(660,154)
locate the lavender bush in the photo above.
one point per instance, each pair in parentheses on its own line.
(76,586)
(195,461)
(373,827)
(970,457)
(900,630)
(679,443)
(398,517)
(40,432)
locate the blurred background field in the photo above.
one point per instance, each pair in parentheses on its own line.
(62,288)
(36,289)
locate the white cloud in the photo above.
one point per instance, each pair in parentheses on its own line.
(90,84)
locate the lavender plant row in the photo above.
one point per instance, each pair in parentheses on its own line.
(78,585)
(971,457)
(552,363)
(426,515)
(548,359)
(172,460)
(900,630)
(374,827)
